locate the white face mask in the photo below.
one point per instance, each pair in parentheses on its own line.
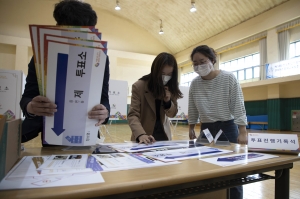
(204,69)
(166,78)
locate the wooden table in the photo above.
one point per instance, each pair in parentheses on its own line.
(181,180)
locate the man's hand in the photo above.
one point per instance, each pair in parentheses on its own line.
(41,106)
(168,94)
(146,139)
(98,112)
(243,135)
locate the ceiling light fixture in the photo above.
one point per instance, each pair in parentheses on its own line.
(193,8)
(117,5)
(161,28)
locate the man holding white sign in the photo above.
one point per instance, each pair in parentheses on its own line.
(33,105)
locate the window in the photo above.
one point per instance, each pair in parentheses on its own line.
(187,78)
(295,49)
(244,68)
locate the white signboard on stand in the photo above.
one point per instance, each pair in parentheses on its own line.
(269,141)
(118,99)
(11,83)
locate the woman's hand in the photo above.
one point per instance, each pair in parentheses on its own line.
(192,134)
(243,135)
(168,94)
(146,139)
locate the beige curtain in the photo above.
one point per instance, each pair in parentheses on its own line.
(242,42)
(284,44)
(263,57)
(291,24)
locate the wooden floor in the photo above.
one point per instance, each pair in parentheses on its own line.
(259,190)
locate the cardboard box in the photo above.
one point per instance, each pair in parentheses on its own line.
(10,144)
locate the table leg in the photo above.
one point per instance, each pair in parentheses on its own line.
(228,193)
(282,184)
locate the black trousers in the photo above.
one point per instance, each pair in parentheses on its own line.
(159,132)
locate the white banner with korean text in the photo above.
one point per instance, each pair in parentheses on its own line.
(283,68)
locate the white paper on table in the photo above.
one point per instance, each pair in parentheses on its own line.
(242,158)
(118,160)
(135,147)
(146,162)
(182,154)
(171,144)
(38,161)
(24,175)
(74,161)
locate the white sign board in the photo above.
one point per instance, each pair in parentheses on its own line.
(283,68)
(182,104)
(208,135)
(273,141)
(74,83)
(11,86)
(118,91)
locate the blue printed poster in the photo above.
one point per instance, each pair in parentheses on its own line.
(182,154)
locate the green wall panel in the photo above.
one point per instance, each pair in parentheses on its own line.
(256,107)
(274,116)
(279,113)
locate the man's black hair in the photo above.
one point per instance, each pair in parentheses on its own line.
(74,13)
